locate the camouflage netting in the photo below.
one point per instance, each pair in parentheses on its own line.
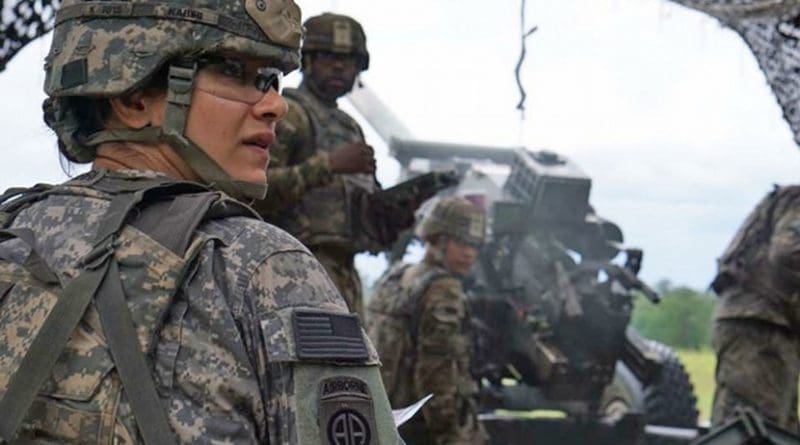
(771,28)
(22,21)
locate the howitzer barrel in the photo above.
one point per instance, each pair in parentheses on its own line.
(405,150)
(380,117)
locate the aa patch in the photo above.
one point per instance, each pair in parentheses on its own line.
(346,413)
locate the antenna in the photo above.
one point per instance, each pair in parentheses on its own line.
(525,33)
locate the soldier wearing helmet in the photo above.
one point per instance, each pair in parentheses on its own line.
(419,323)
(175,103)
(322,172)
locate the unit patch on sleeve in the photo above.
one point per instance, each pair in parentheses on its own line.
(346,413)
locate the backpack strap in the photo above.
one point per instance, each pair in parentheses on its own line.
(20,198)
(101,281)
(417,291)
(172,222)
(45,350)
(132,367)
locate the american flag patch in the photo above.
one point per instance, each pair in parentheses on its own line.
(327,336)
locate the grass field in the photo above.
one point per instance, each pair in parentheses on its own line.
(700,366)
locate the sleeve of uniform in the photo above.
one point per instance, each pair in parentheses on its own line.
(442,359)
(784,246)
(289,176)
(284,285)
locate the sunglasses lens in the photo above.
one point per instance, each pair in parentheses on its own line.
(269,78)
(230,79)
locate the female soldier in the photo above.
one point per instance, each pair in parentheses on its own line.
(234,318)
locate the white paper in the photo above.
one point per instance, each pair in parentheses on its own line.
(403,415)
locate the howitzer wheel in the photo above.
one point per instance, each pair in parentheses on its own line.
(667,399)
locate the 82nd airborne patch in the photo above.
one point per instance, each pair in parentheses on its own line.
(346,413)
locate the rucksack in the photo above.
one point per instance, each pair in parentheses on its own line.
(46,325)
(392,326)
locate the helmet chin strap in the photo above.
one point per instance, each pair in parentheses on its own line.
(179,96)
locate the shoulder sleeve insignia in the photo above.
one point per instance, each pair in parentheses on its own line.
(346,412)
(328,336)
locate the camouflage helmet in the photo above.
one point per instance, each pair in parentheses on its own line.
(110,48)
(454,216)
(337,34)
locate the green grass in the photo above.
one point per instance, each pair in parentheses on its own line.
(700,366)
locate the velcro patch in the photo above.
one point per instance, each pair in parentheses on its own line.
(327,336)
(346,412)
(74,73)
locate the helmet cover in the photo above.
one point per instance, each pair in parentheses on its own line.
(454,216)
(337,34)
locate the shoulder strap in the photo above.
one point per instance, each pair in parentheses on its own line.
(417,291)
(101,279)
(15,199)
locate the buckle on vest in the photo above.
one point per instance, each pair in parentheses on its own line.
(100,253)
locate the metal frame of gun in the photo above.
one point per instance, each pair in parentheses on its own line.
(748,428)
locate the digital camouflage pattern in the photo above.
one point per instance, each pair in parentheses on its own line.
(119,44)
(325,211)
(340,267)
(771,28)
(336,33)
(109,48)
(224,356)
(757,315)
(22,23)
(419,322)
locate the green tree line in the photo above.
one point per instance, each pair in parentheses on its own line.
(682,319)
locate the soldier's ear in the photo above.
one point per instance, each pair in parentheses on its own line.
(139,109)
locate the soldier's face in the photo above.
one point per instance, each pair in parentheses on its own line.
(331,75)
(235,127)
(459,257)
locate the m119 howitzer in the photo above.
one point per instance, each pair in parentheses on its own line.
(548,275)
(550,307)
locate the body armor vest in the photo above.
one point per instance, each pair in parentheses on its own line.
(331,214)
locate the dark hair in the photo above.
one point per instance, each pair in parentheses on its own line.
(88,115)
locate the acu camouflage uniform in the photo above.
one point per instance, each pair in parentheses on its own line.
(420,324)
(757,319)
(225,357)
(327,212)
(236,334)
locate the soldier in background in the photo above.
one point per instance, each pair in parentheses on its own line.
(321,171)
(756,320)
(419,323)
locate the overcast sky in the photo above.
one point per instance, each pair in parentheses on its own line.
(664,109)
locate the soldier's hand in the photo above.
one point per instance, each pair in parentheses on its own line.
(352,158)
